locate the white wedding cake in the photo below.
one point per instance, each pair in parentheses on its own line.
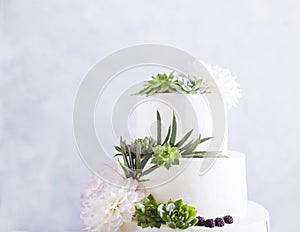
(169,181)
(215,186)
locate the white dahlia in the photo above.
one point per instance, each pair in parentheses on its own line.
(105,207)
(226,82)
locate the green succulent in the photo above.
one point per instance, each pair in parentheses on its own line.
(192,85)
(175,215)
(164,151)
(166,156)
(135,157)
(146,213)
(161,83)
(178,215)
(143,146)
(186,147)
(169,83)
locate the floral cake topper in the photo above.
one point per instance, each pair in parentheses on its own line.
(193,83)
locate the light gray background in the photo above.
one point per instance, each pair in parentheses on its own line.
(46,47)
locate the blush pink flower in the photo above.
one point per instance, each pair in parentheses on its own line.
(106,206)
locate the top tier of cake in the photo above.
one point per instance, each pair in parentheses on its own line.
(192,112)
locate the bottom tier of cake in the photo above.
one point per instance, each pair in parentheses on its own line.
(256,220)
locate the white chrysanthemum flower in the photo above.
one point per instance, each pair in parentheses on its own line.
(225,80)
(227,84)
(105,207)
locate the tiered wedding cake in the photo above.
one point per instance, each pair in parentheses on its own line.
(215,185)
(168,184)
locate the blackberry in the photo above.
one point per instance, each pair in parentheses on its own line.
(201,221)
(210,223)
(228,219)
(219,222)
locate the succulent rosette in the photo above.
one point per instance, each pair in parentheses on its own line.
(191,84)
(166,156)
(105,207)
(174,83)
(161,83)
(178,215)
(164,151)
(146,213)
(143,145)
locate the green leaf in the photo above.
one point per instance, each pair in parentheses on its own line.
(204,154)
(118,148)
(192,147)
(130,157)
(167,136)
(141,91)
(205,139)
(152,92)
(174,131)
(118,154)
(138,158)
(126,170)
(149,170)
(186,146)
(184,139)
(125,160)
(158,118)
(123,145)
(145,160)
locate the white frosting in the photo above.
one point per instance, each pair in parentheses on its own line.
(214,186)
(256,220)
(191,110)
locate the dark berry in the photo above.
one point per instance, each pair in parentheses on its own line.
(219,222)
(228,219)
(201,221)
(210,223)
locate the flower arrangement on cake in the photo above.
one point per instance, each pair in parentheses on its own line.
(174,83)
(160,152)
(106,207)
(194,84)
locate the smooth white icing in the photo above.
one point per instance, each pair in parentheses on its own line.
(214,186)
(191,110)
(256,220)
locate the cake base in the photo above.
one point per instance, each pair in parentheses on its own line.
(257,220)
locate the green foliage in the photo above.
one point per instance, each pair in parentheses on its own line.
(161,83)
(163,152)
(186,147)
(143,146)
(136,156)
(192,85)
(170,83)
(146,213)
(178,215)
(166,156)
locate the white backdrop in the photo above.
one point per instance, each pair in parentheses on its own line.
(46,47)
